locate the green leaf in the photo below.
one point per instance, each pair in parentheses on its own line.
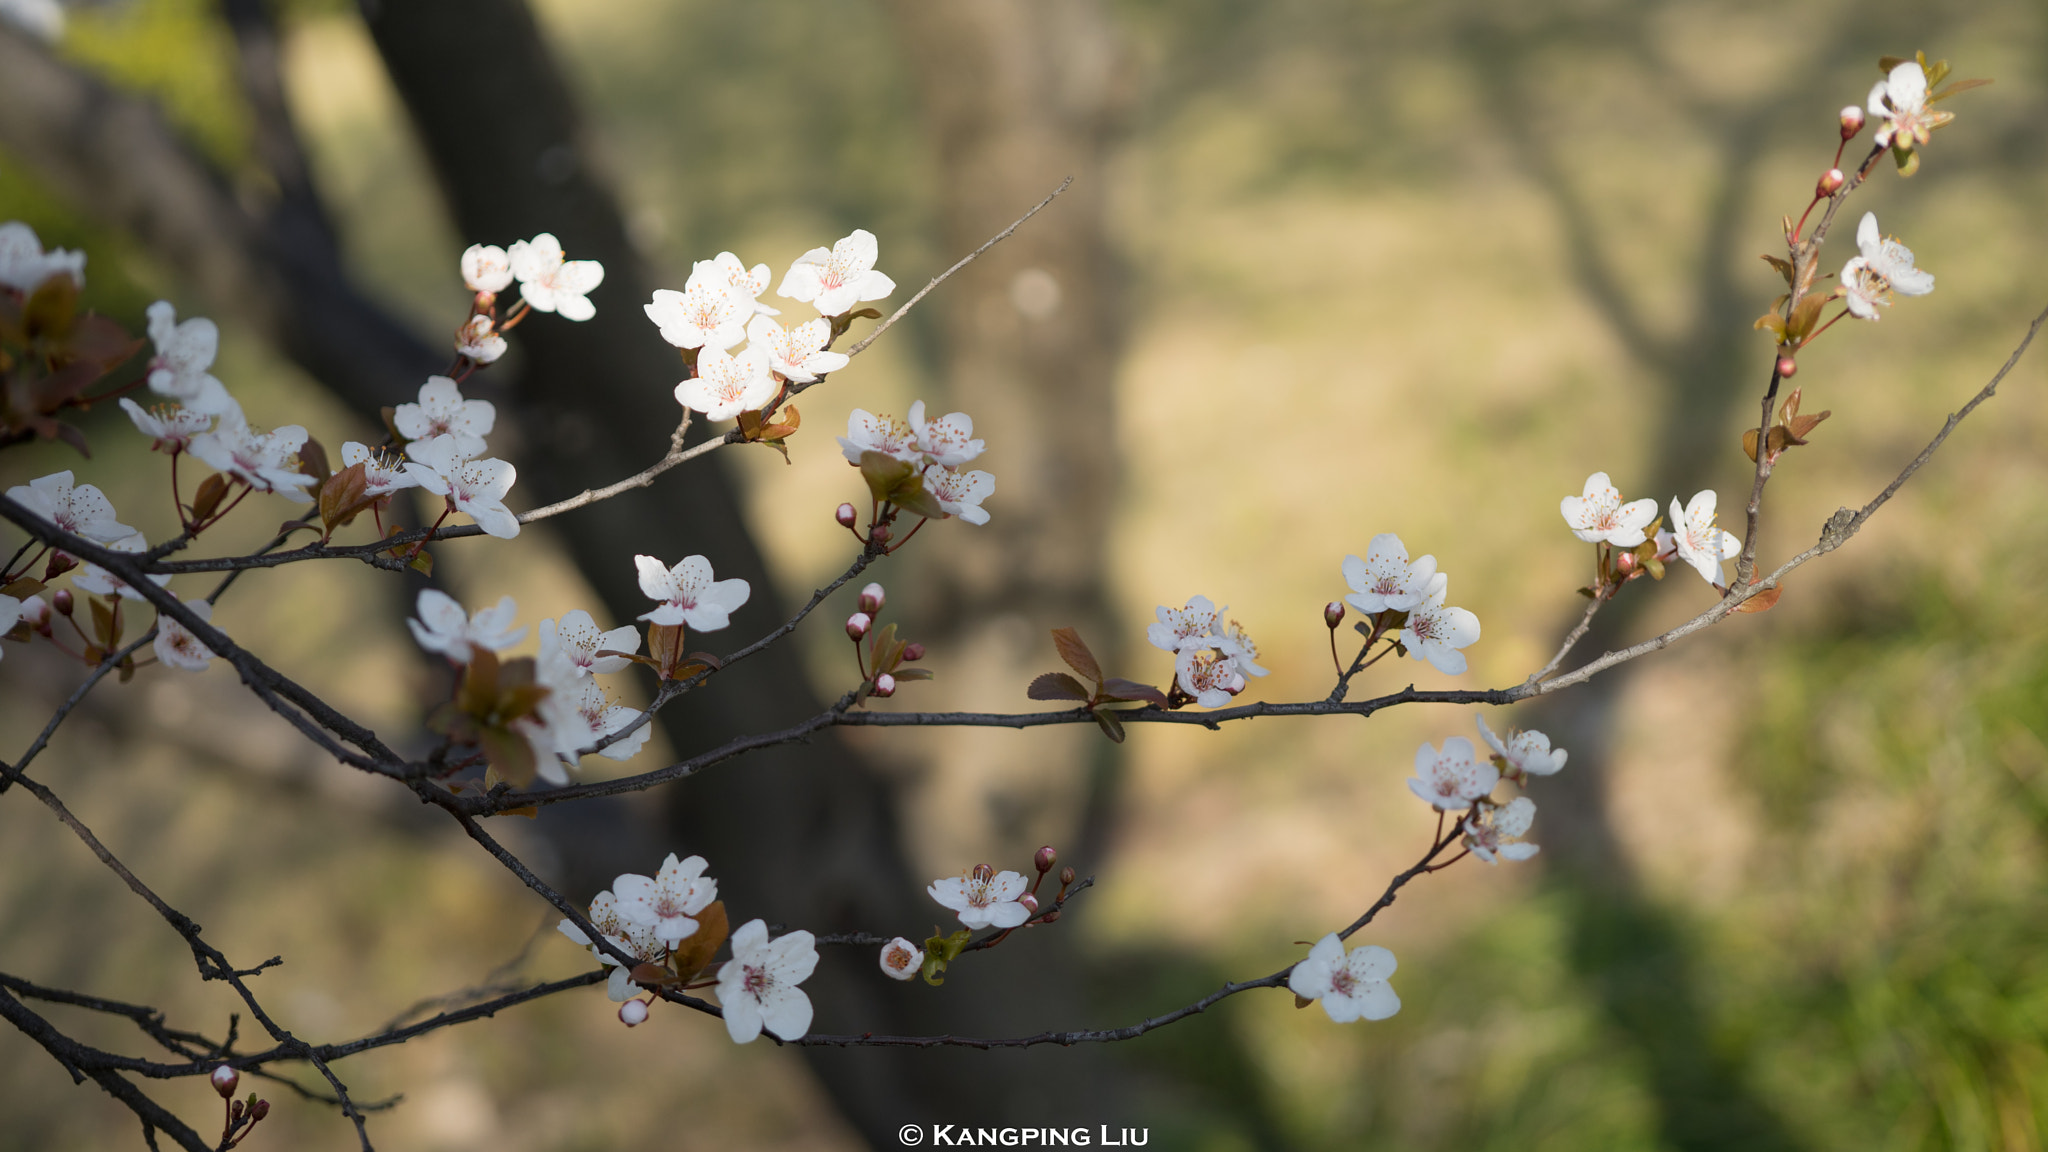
(1110,725)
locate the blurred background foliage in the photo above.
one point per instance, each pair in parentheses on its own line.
(1393,267)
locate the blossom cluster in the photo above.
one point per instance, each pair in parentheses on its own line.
(1408,598)
(548,282)
(920,462)
(1599,516)
(1211,656)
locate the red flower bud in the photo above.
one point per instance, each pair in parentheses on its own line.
(885,685)
(1045,859)
(633,1013)
(1066,876)
(259,1110)
(224,1080)
(1830,182)
(872,598)
(879,534)
(1786,367)
(59,564)
(983,873)
(846,516)
(1333,614)
(1852,121)
(1029,902)
(235,1112)
(913,652)
(61,601)
(857,625)
(1049,917)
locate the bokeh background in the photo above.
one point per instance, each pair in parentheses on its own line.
(1327,269)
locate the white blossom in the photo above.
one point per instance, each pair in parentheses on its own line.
(549,283)
(486,268)
(1499,832)
(1599,516)
(1882,267)
(798,353)
(1435,633)
(901,959)
(1451,779)
(1386,582)
(95,580)
(478,340)
(1237,644)
(82,510)
(867,432)
(184,357)
(703,315)
(983,899)
(726,385)
(1189,627)
(574,715)
(577,639)
(178,648)
(635,940)
(688,594)
(441,626)
(949,440)
(23,263)
(1899,103)
(833,281)
(745,284)
(265,462)
(384,470)
(1212,677)
(668,901)
(1348,986)
(170,427)
(441,411)
(1700,543)
(960,493)
(1527,752)
(476,487)
(757,988)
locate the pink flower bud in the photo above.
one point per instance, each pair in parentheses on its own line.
(224,1080)
(1831,182)
(1029,902)
(857,625)
(61,601)
(59,564)
(885,685)
(846,516)
(1333,614)
(879,534)
(983,873)
(259,1110)
(1786,367)
(872,598)
(633,1013)
(1066,876)
(1045,859)
(1852,121)
(913,652)
(235,1112)
(1050,916)
(1625,563)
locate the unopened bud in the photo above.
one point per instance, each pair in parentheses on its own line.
(224,1080)
(633,1013)
(872,598)
(259,1110)
(1830,182)
(913,652)
(1066,876)
(35,612)
(846,516)
(1852,121)
(983,873)
(1333,614)
(1045,859)
(235,1108)
(885,685)
(857,625)
(1029,902)
(879,534)
(1786,367)
(1625,563)
(1049,917)
(61,601)
(60,563)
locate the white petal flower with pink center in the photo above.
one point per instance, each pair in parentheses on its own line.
(441,411)
(23,263)
(1349,987)
(478,340)
(901,959)
(476,488)
(1435,633)
(757,988)
(1700,542)
(1451,779)
(1600,517)
(983,898)
(486,268)
(949,440)
(1385,581)
(573,716)
(1528,753)
(689,595)
(797,354)
(1190,627)
(265,462)
(170,427)
(441,626)
(744,283)
(549,283)
(97,581)
(82,510)
(834,281)
(727,385)
(383,468)
(635,940)
(1497,835)
(1899,103)
(184,355)
(577,639)
(178,648)
(1237,644)
(704,315)
(867,432)
(1208,675)
(960,493)
(1882,267)
(668,901)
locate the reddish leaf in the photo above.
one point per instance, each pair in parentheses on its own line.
(697,949)
(1057,686)
(1075,652)
(1110,725)
(1117,688)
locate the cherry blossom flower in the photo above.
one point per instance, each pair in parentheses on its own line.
(797,353)
(1237,644)
(1451,779)
(960,493)
(1899,102)
(265,462)
(635,940)
(688,594)
(1499,832)
(901,959)
(578,641)
(1884,266)
(727,385)
(1699,542)
(442,627)
(667,901)
(705,314)
(1348,986)
(1386,582)
(24,265)
(441,411)
(1599,516)
(984,898)
(834,281)
(170,427)
(757,988)
(1210,676)
(384,470)
(82,510)
(549,283)
(178,648)
(475,487)
(947,440)
(1189,627)
(745,284)
(486,268)
(95,580)
(478,340)
(1526,752)
(184,355)
(574,715)
(867,432)
(1435,633)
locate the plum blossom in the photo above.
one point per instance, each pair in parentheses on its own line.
(1348,986)
(983,898)
(549,283)
(949,440)
(834,281)
(1212,677)
(170,427)
(1499,832)
(901,959)
(82,510)
(1435,633)
(1906,119)
(1882,267)
(95,580)
(745,284)
(474,487)
(1237,644)
(1189,627)
(960,493)
(667,901)
(441,626)
(867,432)
(441,411)
(184,355)
(705,314)
(797,354)
(24,265)
(577,639)
(758,986)
(689,595)
(1700,543)
(1451,779)
(575,714)
(635,940)
(178,648)
(726,385)
(1599,516)
(383,470)
(486,268)
(478,340)
(1527,753)
(1386,582)
(265,462)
